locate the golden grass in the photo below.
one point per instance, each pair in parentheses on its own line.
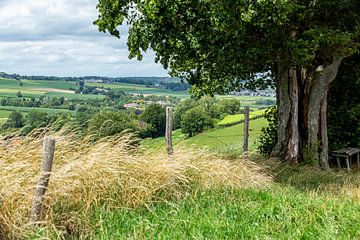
(110,172)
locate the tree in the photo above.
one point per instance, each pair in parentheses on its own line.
(108,123)
(195,121)
(296,44)
(15,120)
(230,106)
(19,94)
(180,109)
(155,116)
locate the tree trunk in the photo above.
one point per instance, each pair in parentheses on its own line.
(302,108)
(287,146)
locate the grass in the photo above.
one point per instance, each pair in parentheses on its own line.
(111,173)
(274,213)
(4,113)
(224,140)
(109,190)
(238,118)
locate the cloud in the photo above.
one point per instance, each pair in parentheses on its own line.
(57,37)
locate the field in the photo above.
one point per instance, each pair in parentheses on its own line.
(32,88)
(141,89)
(238,118)
(4,113)
(105,190)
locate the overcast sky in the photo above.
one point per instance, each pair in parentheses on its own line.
(57,37)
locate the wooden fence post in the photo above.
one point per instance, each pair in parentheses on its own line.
(168,132)
(246,130)
(48,156)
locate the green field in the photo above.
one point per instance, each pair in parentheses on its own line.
(273,213)
(141,89)
(300,203)
(227,140)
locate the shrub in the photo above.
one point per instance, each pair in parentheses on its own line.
(15,120)
(108,123)
(195,121)
(268,137)
(230,106)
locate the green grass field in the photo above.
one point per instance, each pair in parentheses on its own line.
(301,203)
(224,140)
(4,113)
(274,213)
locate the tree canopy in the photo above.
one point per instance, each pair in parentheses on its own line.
(217,44)
(297,45)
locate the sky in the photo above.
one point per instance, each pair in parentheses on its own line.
(58,38)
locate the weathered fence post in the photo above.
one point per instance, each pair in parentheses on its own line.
(48,156)
(246,130)
(168,132)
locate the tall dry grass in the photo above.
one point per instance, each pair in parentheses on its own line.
(110,172)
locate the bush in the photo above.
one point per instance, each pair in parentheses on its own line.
(15,120)
(230,106)
(155,116)
(195,121)
(108,123)
(268,137)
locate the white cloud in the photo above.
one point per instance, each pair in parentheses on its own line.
(57,37)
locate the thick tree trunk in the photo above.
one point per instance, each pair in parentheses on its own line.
(287,146)
(302,108)
(316,141)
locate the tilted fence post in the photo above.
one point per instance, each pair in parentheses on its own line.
(168,132)
(246,130)
(43,182)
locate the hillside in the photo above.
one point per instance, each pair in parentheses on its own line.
(106,190)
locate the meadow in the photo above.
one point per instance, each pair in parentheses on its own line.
(110,190)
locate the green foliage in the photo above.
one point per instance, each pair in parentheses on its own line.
(180,109)
(230,106)
(195,121)
(108,123)
(216,44)
(15,120)
(18,94)
(155,116)
(268,136)
(344,106)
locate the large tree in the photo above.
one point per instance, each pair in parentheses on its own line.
(297,45)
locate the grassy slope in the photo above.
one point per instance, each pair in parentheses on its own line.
(4,113)
(302,203)
(275,213)
(228,140)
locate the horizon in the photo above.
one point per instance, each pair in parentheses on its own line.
(58,38)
